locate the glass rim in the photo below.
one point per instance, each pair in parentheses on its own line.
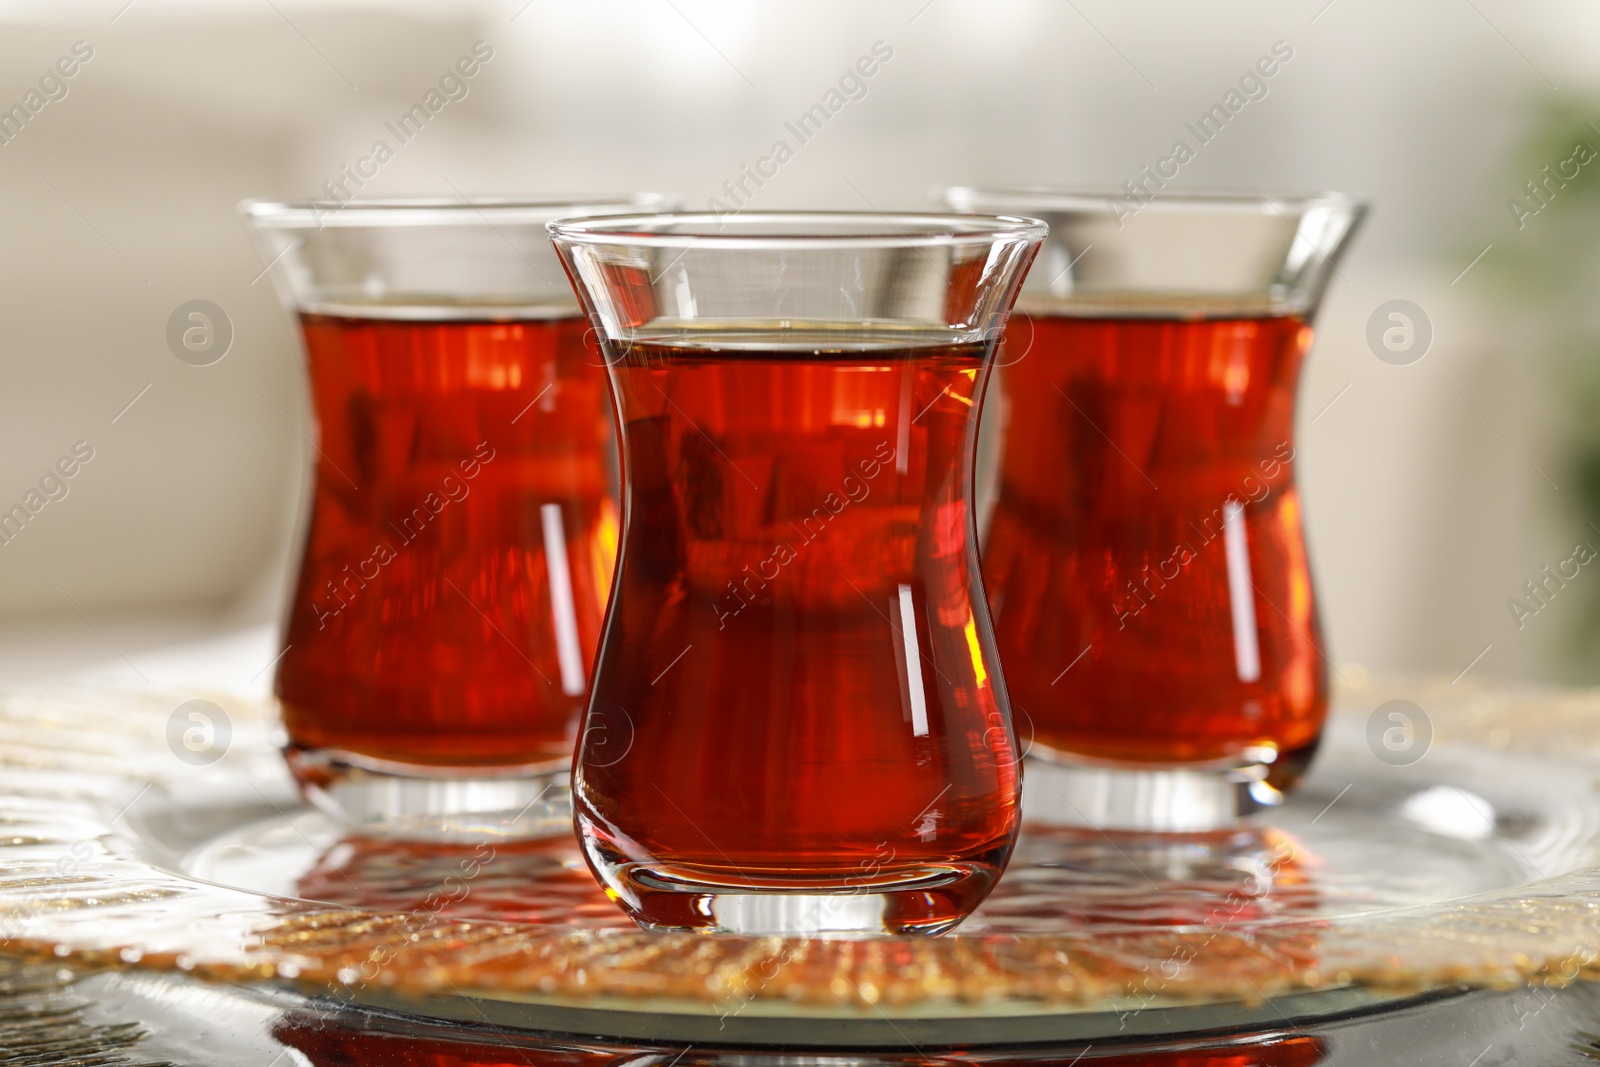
(443,211)
(1052,199)
(879,230)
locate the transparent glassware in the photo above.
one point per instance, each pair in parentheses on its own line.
(1145,559)
(461,535)
(798,723)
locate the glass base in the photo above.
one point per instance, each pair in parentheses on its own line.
(383,798)
(1059,789)
(920,900)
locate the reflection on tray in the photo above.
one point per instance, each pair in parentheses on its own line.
(1239,1051)
(1085,878)
(323,1043)
(1059,879)
(504,881)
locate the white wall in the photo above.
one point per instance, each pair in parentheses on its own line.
(118,206)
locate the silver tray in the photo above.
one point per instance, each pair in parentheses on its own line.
(1476,864)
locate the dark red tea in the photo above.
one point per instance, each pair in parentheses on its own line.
(805,695)
(1145,563)
(461,543)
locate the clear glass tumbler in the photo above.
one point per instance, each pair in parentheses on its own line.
(1145,559)
(462,528)
(798,723)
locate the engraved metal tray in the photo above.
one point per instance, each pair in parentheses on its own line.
(1474,864)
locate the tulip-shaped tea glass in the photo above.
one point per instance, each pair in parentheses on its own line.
(1145,560)
(462,531)
(798,723)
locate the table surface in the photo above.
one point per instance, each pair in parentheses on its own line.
(143,1020)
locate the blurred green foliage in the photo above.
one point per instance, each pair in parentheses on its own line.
(1546,262)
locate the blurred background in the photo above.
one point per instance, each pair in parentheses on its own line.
(1435,487)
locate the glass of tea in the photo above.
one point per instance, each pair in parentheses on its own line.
(462,529)
(797,723)
(1145,559)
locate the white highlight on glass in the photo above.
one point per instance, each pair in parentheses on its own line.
(788,914)
(902,437)
(565,617)
(1241,593)
(685,295)
(908,631)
